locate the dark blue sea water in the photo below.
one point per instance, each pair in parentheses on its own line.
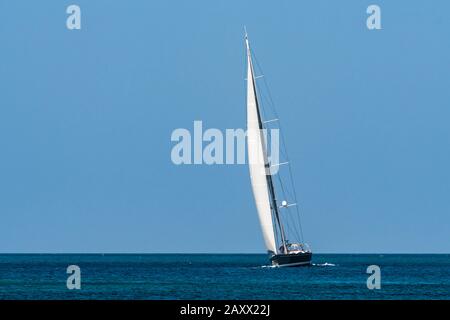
(209,276)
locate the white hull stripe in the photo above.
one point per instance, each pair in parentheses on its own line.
(293,264)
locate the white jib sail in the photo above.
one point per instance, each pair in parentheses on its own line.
(257,159)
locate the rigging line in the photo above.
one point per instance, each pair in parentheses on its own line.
(268,128)
(287,188)
(286,194)
(262,93)
(289,195)
(289,226)
(294,193)
(284,191)
(287,191)
(296,233)
(293,225)
(272,105)
(297,211)
(277,242)
(271,102)
(293,231)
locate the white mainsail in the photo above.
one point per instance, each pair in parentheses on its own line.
(257,159)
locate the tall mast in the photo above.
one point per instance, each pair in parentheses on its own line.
(268,175)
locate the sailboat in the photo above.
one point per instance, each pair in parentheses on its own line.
(271,208)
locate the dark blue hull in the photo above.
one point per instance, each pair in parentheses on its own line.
(292,259)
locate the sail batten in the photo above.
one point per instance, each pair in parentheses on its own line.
(257,158)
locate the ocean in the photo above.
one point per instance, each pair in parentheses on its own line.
(222,276)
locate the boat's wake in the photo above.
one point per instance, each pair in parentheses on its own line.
(326,264)
(269,266)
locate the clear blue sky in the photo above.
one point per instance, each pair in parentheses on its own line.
(86,118)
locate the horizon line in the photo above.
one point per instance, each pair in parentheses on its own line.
(212,253)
